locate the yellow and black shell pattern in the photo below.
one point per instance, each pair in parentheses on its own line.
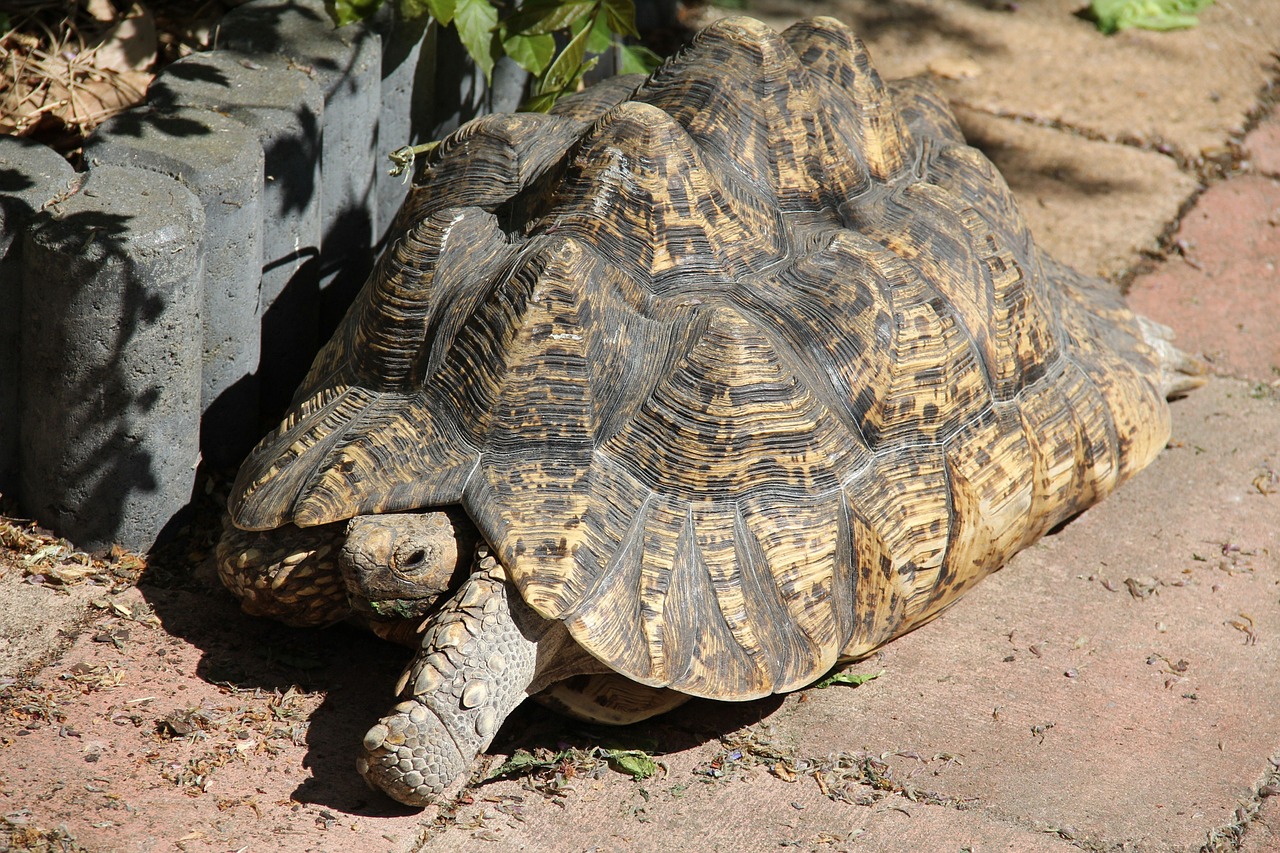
(740,368)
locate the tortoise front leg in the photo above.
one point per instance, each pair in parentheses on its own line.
(481,655)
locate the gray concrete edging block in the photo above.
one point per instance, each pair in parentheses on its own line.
(31,176)
(285,108)
(347,65)
(249,132)
(220,161)
(110,381)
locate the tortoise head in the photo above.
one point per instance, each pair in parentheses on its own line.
(401,564)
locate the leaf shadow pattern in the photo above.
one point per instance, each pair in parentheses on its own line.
(13,181)
(91,398)
(16,210)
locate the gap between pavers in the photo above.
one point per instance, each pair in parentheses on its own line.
(1263,833)
(1262,146)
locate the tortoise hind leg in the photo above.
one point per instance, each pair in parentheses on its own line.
(609,698)
(482,654)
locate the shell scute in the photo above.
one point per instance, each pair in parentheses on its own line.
(639,188)
(487,163)
(855,100)
(765,138)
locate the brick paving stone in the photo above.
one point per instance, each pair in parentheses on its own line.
(1262,145)
(1221,296)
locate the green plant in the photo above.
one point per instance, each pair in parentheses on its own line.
(556,41)
(1115,15)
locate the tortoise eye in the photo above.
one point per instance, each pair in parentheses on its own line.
(414,560)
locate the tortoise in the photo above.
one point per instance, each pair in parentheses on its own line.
(698,385)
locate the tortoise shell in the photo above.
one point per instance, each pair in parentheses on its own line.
(739,368)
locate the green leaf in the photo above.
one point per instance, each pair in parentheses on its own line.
(633,762)
(622,16)
(637,59)
(1115,15)
(532,53)
(412,10)
(476,21)
(442,10)
(549,16)
(567,67)
(854,679)
(540,103)
(520,761)
(343,12)
(601,37)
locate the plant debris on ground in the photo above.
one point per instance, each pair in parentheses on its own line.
(67,66)
(48,560)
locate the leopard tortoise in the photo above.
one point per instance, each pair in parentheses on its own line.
(733,373)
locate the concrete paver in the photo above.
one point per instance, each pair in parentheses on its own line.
(1094,205)
(35,620)
(761,812)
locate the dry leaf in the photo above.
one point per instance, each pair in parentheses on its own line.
(954,68)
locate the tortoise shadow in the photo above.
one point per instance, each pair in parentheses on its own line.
(356,672)
(353,670)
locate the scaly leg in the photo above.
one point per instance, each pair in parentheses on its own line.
(482,654)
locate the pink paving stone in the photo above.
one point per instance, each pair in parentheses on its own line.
(1262,145)
(1223,296)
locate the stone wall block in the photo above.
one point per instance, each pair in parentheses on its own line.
(219,160)
(111,367)
(31,176)
(285,107)
(408,81)
(347,65)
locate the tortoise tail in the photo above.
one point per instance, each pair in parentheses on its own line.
(1180,373)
